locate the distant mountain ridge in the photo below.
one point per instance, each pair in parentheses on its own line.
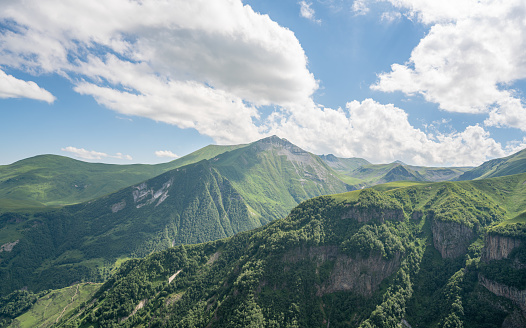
(57,180)
(513,164)
(360,173)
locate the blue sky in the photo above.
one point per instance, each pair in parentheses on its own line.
(430,83)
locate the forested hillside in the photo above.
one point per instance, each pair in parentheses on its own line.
(212,199)
(420,255)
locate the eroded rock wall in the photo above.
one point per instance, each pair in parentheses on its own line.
(511,293)
(451,239)
(497,247)
(357,274)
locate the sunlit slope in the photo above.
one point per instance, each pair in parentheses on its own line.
(359,172)
(212,199)
(512,164)
(58,180)
(273,175)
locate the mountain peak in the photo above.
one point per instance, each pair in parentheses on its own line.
(329,158)
(277,142)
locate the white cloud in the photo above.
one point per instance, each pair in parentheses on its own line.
(390,16)
(199,64)
(359,7)
(210,65)
(11,87)
(165,153)
(92,154)
(437,11)
(307,12)
(473,53)
(382,133)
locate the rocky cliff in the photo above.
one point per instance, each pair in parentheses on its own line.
(497,247)
(451,239)
(357,274)
(511,293)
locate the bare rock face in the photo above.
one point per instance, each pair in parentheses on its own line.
(451,239)
(511,293)
(373,213)
(497,247)
(360,275)
(8,247)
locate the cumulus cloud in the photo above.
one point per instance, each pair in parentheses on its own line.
(211,65)
(165,153)
(203,64)
(11,87)
(473,53)
(92,154)
(382,133)
(307,12)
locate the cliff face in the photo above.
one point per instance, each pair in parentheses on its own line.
(511,293)
(451,239)
(360,275)
(497,247)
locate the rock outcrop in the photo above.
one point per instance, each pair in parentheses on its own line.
(451,239)
(8,247)
(497,247)
(511,293)
(357,274)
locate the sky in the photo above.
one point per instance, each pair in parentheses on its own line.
(436,83)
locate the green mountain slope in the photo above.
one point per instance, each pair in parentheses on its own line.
(498,167)
(55,248)
(360,173)
(344,164)
(412,256)
(212,199)
(273,175)
(53,306)
(58,180)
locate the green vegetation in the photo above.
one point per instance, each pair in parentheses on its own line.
(289,273)
(177,250)
(54,306)
(360,173)
(46,180)
(235,191)
(499,167)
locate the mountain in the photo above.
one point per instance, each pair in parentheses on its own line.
(48,180)
(343,164)
(360,173)
(428,255)
(498,167)
(274,175)
(232,192)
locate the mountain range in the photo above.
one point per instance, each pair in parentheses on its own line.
(155,234)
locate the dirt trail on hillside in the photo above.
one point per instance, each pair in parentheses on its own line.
(64,309)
